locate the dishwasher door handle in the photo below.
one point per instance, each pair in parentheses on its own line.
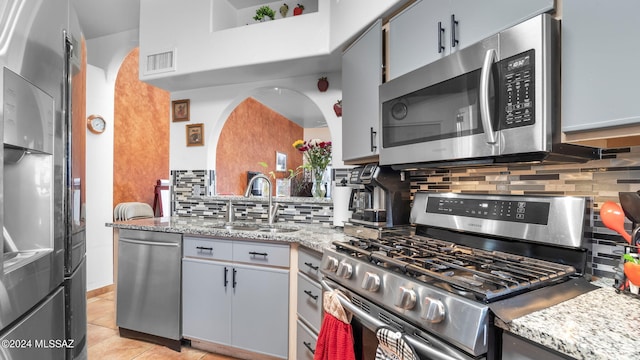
(151,243)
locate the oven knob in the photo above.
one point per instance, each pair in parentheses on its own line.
(406,298)
(371,282)
(344,269)
(331,264)
(433,310)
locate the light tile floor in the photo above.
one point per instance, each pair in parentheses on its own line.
(105,343)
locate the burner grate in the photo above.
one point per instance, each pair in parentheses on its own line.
(475,273)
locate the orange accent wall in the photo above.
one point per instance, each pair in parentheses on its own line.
(79,125)
(141,135)
(253,133)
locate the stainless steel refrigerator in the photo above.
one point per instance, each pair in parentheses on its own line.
(43,278)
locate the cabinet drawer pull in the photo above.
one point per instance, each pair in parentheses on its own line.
(234,278)
(372,135)
(454,27)
(315,268)
(253,253)
(226,281)
(308,292)
(308,346)
(202,248)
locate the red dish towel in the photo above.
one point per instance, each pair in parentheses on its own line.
(335,341)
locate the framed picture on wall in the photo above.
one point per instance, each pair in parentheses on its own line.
(195,135)
(180,110)
(281,161)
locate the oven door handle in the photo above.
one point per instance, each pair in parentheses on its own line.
(418,345)
(485,109)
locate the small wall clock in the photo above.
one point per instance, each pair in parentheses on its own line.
(96,124)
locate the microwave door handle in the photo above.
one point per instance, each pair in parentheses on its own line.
(485,113)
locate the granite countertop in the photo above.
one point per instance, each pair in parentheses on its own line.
(313,236)
(600,324)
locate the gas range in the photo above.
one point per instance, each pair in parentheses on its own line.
(467,253)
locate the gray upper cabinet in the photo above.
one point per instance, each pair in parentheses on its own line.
(596,34)
(431,29)
(361,76)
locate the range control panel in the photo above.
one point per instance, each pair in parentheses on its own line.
(518,89)
(529,212)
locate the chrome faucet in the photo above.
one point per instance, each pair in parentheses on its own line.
(230,213)
(273,209)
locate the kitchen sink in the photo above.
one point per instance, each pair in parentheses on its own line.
(278,230)
(242,227)
(253,227)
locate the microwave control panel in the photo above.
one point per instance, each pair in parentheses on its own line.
(518,90)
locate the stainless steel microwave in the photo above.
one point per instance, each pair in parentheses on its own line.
(494,101)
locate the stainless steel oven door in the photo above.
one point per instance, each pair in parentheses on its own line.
(364,324)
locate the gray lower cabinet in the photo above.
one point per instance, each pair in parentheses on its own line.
(514,347)
(237,304)
(306,342)
(309,303)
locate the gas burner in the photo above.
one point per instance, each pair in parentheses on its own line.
(489,275)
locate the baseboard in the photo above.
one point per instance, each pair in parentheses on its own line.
(101,291)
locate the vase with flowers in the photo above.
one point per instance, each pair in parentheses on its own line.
(317,154)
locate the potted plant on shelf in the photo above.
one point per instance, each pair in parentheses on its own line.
(263,13)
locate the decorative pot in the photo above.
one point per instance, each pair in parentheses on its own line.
(298,10)
(323,84)
(284,9)
(337,108)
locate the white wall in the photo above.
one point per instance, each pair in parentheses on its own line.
(186,27)
(99,174)
(104,57)
(213,105)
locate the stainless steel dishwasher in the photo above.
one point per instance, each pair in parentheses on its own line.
(148,288)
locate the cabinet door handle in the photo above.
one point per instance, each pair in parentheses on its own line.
(253,253)
(454,27)
(440,34)
(234,278)
(226,281)
(315,268)
(308,292)
(203,248)
(308,346)
(372,135)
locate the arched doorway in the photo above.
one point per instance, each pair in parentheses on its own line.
(260,124)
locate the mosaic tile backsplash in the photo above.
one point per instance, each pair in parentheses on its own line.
(189,188)
(602,180)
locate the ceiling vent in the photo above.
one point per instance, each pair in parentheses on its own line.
(161,62)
